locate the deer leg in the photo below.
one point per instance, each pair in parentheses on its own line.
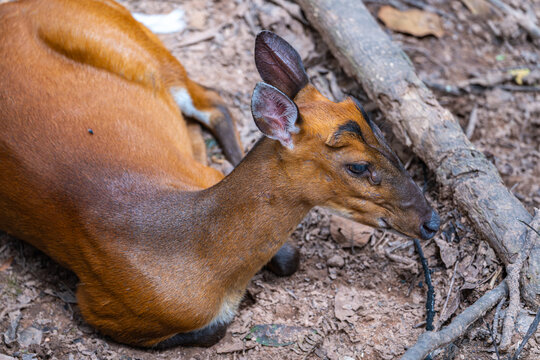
(206,106)
(204,337)
(286,260)
(197,142)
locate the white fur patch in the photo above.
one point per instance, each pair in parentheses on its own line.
(185,103)
(163,23)
(226,313)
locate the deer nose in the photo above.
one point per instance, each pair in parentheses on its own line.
(429,228)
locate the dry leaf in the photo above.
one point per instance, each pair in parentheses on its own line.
(453,305)
(6,264)
(349,233)
(519,74)
(231,344)
(477,7)
(415,22)
(448,253)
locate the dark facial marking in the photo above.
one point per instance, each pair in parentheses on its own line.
(350,127)
(388,153)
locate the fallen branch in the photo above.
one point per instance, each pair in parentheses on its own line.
(386,74)
(430,341)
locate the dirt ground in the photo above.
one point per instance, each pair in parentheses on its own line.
(346,302)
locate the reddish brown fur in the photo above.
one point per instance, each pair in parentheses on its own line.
(157,248)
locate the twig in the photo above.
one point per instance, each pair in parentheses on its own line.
(13,308)
(492,339)
(429,341)
(473,119)
(293,10)
(423,52)
(203,36)
(525,21)
(430,302)
(448,295)
(530,332)
(519,88)
(424,6)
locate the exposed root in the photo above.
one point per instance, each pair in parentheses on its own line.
(514,271)
(429,341)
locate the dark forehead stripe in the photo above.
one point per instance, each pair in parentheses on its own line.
(353,128)
(350,127)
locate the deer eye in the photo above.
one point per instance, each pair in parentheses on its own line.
(357,169)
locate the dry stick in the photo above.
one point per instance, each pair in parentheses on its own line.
(530,332)
(387,75)
(429,341)
(447,295)
(473,119)
(492,339)
(430,302)
(527,22)
(13,308)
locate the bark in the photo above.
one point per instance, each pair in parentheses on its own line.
(388,77)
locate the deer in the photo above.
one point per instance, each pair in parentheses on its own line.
(100,172)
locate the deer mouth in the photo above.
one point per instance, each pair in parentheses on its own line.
(385,225)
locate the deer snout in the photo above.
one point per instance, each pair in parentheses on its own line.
(430,226)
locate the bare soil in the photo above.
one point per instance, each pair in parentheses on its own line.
(373,306)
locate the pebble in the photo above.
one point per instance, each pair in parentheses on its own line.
(335,261)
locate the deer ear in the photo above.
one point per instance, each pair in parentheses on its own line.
(279,64)
(274,113)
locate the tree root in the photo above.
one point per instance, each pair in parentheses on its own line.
(430,341)
(513,274)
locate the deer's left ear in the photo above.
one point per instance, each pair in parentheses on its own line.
(274,113)
(279,64)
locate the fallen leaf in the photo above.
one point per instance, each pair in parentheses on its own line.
(519,74)
(415,22)
(349,233)
(477,7)
(276,334)
(6,264)
(453,305)
(448,253)
(231,344)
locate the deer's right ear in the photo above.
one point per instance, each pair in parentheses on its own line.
(279,64)
(274,113)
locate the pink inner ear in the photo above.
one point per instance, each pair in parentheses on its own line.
(274,113)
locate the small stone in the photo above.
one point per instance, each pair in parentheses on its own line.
(349,233)
(335,261)
(29,336)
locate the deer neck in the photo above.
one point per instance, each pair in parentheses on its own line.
(251,212)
